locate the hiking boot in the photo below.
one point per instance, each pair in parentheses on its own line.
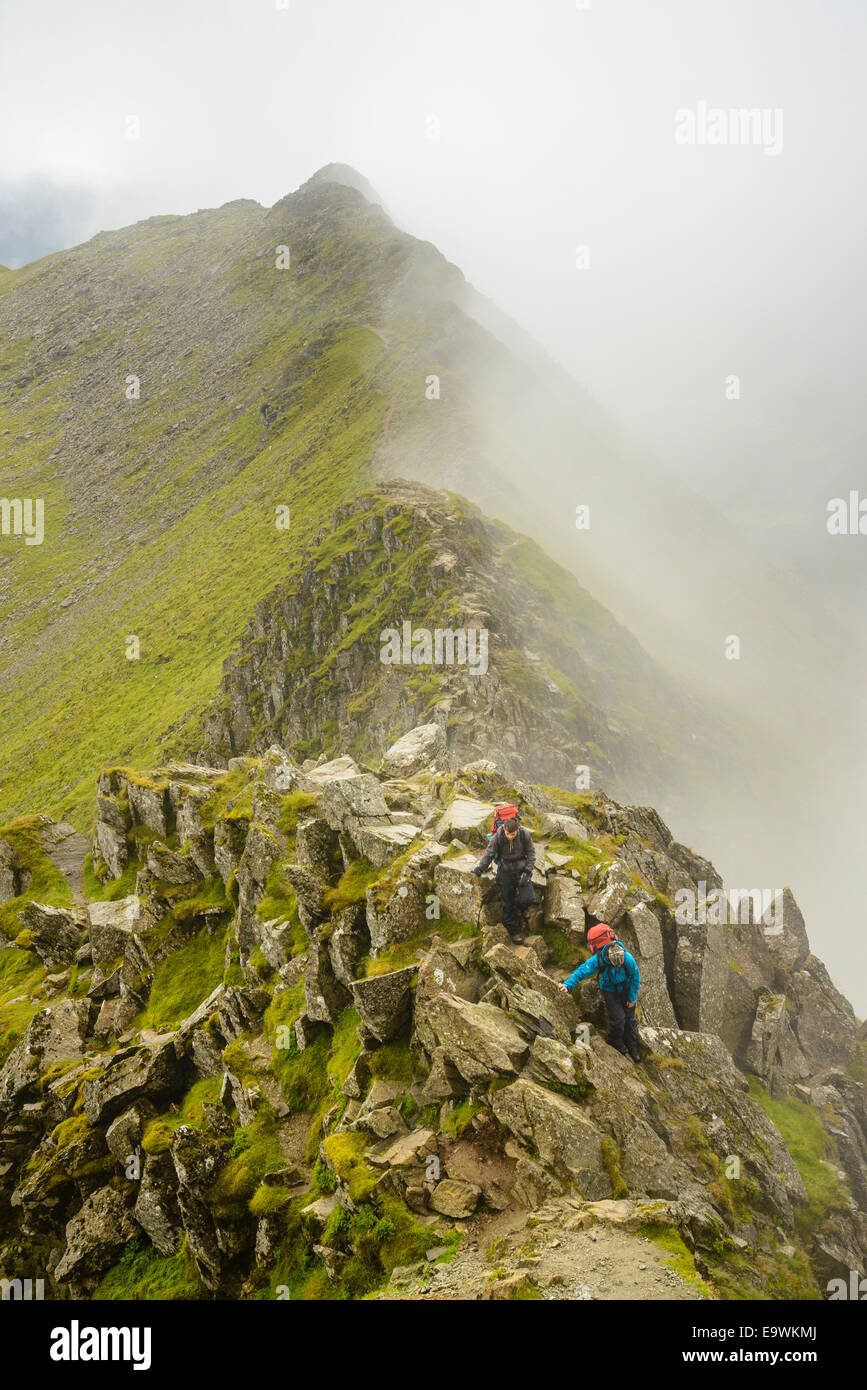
(636,1056)
(516,938)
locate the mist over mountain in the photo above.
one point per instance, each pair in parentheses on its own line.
(370,356)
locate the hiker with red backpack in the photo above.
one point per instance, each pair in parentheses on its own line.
(511,847)
(619,978)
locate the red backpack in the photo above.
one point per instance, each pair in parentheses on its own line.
(599,936)
(503,813)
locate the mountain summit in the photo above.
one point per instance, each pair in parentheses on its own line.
(347,176)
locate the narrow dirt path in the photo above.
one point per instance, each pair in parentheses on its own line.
(69,854)
(555,1251)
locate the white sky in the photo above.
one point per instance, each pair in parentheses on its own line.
(556,129)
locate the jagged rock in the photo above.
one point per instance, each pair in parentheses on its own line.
(824,1021)
(558,1130)
(608,903)
(409,1150)
(8,875)
(732,1121)
(55,1034)
(553,1061)
(280,773)
(532,995)
(169,867)
(381,1093)
(136,972)
(149,807)
(358,1078)
(462,894)
(156,1209)
(55,932)
(564,907)
(104,984)
(381,843)
(768,1036)
(261,848)
(206,1053)
(384,1121)
(419,749)
(153,1071)
(230,834)
(95,1237)
(325,996)
(479,1040)
(465,819)
(641,934)
(269,1234)
(197,1161)
(569,826)
(111,925)
(187,802)
(241,1010)
(124,1134)
(110,846)
(455,1198)
(318,1212)
(534,1185)
(266,807)
(58,1174)
(317,848)
(306,1029)
(334,770)
(444,1081)
(110,810)
(333,1260)
(346,802)
(787,936)
(310,894)
(205,1010)
(348,942)
(441,970)
(114,1017)
(700,976)
(384,1002)
(276,940)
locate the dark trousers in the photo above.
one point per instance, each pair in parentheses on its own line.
(507,882)
(622,1023)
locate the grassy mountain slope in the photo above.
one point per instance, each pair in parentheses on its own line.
(259,388)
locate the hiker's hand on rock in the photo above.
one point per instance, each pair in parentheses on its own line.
(630,1003)
(564,989)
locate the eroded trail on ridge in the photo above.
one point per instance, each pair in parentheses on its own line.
(555,1254)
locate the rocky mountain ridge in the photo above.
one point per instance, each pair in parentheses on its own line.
(309,669)
(284,1049)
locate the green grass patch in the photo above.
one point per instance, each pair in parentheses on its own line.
(184,979)
(21,973)
(812,1149)
(677,1256)
(143,1273)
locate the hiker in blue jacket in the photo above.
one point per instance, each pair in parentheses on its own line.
(619,979)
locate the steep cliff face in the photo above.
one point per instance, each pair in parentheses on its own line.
(284,1048)
(554,684)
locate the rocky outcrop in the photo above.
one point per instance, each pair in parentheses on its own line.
(369,1026)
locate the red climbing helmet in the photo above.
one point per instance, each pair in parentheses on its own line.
(600,936)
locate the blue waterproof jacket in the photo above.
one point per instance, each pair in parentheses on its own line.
(626,975)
